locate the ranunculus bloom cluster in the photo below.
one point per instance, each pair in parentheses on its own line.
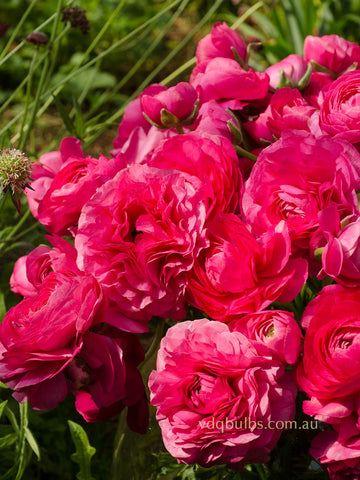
(224,196)
(204,388)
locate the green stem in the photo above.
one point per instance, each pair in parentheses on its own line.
(15,229)
(261,471)
(148,51)
(118,441)
(103,30)
(154,344)
(55,90)
(28,93)
(158,69)
(23,408)
(17,29)
(244,153)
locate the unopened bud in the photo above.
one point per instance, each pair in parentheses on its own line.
(38,38)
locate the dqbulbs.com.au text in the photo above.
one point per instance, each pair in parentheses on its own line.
(249,424)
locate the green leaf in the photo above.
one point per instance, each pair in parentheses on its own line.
(8,440)
(65,117)
(84,451)
(2,406)
(32,442)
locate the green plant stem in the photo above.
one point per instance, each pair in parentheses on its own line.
(17,29)
(244,153)
(28,93)
(24,409)
(118,441)
(15,229)
(144,56)
(192,60)
(154,344)
(158,69)
(43,76)
(56,89)
(261,472)
(247,14)
(103,30)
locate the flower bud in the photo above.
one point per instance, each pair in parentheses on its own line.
(38,38)
(174,107)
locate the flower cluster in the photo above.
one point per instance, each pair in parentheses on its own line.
(181,217)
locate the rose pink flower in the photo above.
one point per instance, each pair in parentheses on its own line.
(288,72)
(340,256)
(138,235)
(133,118)
(339,112)
(213,119)
(332,52)
(171,107)
(140,145)
(215,393)
(332,343)
(313,93)
(41,335)
(339,451)
(223,78)
(297,177)
(72,185)
(238,274)
(43,174)
(31,270)
(287,110)
(104,378)
(221,42)
(213,160)
(274,330)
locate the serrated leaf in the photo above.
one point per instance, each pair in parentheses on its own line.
(84,451)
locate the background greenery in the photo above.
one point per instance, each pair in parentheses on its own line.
(79,85)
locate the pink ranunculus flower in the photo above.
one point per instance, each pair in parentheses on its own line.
(215,395)
(213,119)
(138,235)
(41,335)
(339,113)
(31,270)
(339,451)
(289,72)
(133,118)
(69,189)
(331,346)
(340,255)
(212,159)
(288,110)
(297,177)
(223,78)
(274,330)
(105,380)
(314,92)
(221,42)
(238,274)
(172,107)
(332,52)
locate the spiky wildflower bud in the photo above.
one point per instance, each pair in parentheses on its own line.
(15,171)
